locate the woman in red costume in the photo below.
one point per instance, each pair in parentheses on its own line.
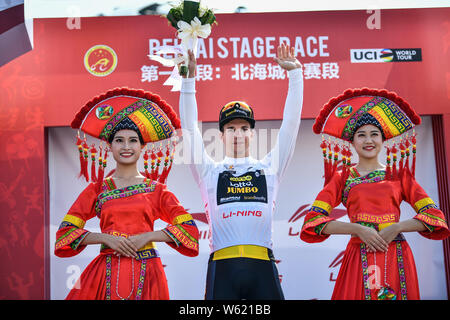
(378,262)
(128,202)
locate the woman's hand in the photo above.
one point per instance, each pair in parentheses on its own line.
(389,233)
(374,242)
(121,245)
(140,240)
(286,58)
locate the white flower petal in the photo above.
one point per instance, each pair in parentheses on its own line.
(195,21)
(183,25)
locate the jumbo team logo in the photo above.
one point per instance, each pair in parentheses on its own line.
(249,187)
(100,60)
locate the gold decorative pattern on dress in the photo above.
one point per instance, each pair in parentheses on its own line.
(76,221)
(323,205)
(422,203)
(182,218)
(365,217)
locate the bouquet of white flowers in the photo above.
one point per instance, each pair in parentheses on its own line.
(192,21)
(187,11)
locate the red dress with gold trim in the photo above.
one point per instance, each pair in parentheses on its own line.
(125,211)
(373,201)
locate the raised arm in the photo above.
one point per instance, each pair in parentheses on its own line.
(285,144)
(192,137)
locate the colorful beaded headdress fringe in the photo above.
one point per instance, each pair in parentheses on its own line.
(153,117)
(339,119)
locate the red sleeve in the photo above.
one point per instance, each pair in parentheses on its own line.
(182,228)
(71,230)
(318,215)
(427,211)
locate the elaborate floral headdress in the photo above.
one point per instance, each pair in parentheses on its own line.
(101,117)
(342,115)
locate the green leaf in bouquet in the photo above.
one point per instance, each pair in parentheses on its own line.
(172,19)
(183,70)
(208,18)
(175,15)
(190,10)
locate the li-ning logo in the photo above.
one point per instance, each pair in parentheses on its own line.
(385,55)
(100,60)
(243,213)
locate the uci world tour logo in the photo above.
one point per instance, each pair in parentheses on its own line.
(385,55)
(100,60)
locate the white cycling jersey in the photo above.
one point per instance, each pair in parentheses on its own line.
(240,193)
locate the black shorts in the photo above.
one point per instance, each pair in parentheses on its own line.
(243,278)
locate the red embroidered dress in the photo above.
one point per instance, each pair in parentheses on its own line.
(373,201)
(125,211)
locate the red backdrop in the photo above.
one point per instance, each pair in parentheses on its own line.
(48,85)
